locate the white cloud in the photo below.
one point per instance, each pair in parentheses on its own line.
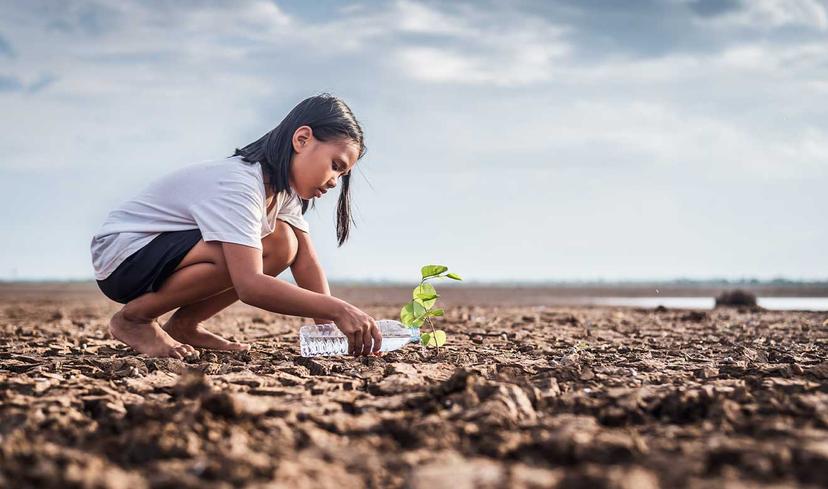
(140,85)
(525,51)
(518,65)
(416,17)
(772,14)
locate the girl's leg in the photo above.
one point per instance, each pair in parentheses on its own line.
(184,325)
(202,274)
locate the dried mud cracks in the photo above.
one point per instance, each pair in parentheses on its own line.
(520,398)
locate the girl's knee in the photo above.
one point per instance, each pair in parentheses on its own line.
(280,247)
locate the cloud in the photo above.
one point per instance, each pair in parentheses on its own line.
(10,84)
(42,83)
(776,14)
(409,16)
(6,49)
(574,122)
(713,8)
(501,55)
(15,84)
(657,28)
(142,81)
(163,61)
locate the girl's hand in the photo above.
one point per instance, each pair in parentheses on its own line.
(360,329)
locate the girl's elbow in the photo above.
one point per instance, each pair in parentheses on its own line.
(248,298)
(247,292)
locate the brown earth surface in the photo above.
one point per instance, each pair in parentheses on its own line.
(522,397)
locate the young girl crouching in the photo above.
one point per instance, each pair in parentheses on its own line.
(209,234)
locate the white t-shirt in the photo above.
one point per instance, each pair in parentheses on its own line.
(224,199)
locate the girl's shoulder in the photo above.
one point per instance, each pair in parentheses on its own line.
(213,179)
(224,171)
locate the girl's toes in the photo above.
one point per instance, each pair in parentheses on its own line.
(186,351)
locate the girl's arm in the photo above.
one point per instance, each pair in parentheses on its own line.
(269,293)
(307,271)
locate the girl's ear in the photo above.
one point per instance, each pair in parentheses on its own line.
(302,138)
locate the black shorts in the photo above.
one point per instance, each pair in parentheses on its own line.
(147,269)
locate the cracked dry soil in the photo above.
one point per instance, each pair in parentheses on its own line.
(521,397)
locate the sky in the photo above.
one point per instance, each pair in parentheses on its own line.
(509,140)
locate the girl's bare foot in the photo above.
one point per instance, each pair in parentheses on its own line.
(194,334)
(148,338)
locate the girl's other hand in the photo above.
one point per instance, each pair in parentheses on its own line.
(360,329)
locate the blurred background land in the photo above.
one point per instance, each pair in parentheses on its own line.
(504,294)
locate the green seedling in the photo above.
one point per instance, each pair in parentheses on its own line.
(421,307)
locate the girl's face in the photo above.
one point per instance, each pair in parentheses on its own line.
(317,165)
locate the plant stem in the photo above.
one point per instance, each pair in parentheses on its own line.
(428,318)
(434,335)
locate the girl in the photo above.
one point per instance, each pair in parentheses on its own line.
(213,233)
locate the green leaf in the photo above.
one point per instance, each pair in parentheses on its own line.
(436,312)
(426,294)
(425,339)
(432,270)
(453,276)
(419,313)
(413,314)
(437,339)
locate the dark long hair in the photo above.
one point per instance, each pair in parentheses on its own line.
(330,119)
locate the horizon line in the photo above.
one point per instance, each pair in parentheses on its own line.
(778,281)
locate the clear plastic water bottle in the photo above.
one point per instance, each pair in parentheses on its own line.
(326,340)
